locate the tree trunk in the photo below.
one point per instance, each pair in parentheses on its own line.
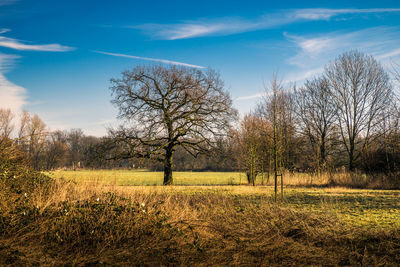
(351,157)
(322,151)
(168,166)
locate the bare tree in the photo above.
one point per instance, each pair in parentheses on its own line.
(74,141)
(276,108)
(6,125)
(164,107)
(37,137)
(361,93)
(252,141)
(55,150)
(23,124)
(316,113)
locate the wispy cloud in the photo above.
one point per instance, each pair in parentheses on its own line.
(227,26)
(254,96)
(150,59)
(390,54)
(11,96)
(4,30)
(313,52)
(381,42)
(202,28)
(18,45)
(326,13)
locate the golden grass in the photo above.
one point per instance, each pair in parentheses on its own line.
(144,177)
(97,223)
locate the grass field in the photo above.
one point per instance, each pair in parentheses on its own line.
(143,177)
(100,219)
(380,208)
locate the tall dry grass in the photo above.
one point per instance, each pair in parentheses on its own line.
(64,223)
(338,178)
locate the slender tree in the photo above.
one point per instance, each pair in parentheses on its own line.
(276,109)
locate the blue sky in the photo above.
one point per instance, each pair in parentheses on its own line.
(56,57)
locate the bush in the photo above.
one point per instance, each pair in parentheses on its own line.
(18,181)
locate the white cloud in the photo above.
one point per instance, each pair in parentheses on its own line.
(302,75)
(227,26)
(18,45)
(197,28)
(258,95)
(316,45)
(150,59)
(190,30)
(4,30)
(11,96)
(326,13)
(389,54)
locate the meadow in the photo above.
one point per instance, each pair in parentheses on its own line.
(144,177)
(380,208)
(99,218)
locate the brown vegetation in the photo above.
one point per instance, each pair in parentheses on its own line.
(67,224)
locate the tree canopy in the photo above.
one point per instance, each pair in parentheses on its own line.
(165,107)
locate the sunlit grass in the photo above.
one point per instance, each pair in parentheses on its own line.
(98,218)
(142,177)
(361,207)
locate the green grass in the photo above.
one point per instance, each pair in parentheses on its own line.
(359,207)
(143,177)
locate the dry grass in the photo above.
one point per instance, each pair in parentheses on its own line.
(66,223)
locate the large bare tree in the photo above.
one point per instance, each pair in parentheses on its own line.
(165,107)
(361,92)
(316,113)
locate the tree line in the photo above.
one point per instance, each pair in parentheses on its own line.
(176,118)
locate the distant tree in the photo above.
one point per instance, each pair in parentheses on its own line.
(56,150)
(250,139)
(166,107)
(74,141)
(37,137)
(32,135)
(23,124)
(6,124)
(361,93)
